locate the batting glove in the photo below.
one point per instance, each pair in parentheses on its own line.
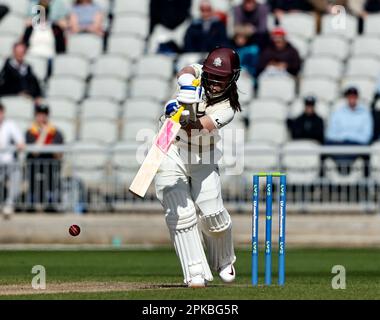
(189,93)
(171,108)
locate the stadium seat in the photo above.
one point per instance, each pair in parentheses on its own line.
(375,162)
(323,88)
(131,24)
(12,24)
(334,26)
(334,46)
(301,24)
(318,66)
(372,24)
(131,6)
(107,87)
(364,67)
(300,43)
(66,87)
(297,108)
(18,106)
(266,109)
(245,88)
(334,176)
(39,66)
(62,108)
(365,85)
(131,47)
(71,65)
(99,107)
(142,87)
(155,65)
(301,162)
(7,41)
(277,87)
(88,45)
(186,59)
(112,65)
(89,163)
(22,123)
(139,129)
(261,157)
(99,130)
(268,131)
(18,7)
(366,46)
(144,109)
(68,129)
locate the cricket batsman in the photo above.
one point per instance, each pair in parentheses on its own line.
(209,92)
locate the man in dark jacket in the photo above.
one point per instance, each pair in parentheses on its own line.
(206,33)
(280,56)
(17,76)
(3,10)
(308,125)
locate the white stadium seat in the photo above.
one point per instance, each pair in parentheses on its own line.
(300,43)
(131,6)
(366,86)
(301,24)
(66,87)
(375,162)
(245,88)
(155,65)
(68,129)
(144,109)
(364,67)
(335,26)
(297,108)
(131,24)
(112,65)
(18,7)
(71,65)
(108,87)
(129,46)
(366,46)
(319,66)
(18,106)
(323,88)
(277,87)
(334,46)
(7,41)
(39,66)
(62,108)
(301,167)
(266,109)
(138,127)
(186,59)
(268,131)
(88,45)
(12,25)
(372,24)
(154,88)
(99,130)
(99,107)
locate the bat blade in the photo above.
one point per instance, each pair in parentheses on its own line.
(154,158)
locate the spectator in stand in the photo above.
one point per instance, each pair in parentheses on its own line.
(375,107)
(17,77)
(351,124)
(86,16)
(206,33)
(10,135)
(3,10)
(44,169)
(280,58)
(250,23)
(40,39)
(280,7)
(169,13)
(308,125)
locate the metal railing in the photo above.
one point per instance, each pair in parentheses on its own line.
(96,179)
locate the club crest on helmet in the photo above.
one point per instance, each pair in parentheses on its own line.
(217,62)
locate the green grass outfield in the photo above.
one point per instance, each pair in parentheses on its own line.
(155,274)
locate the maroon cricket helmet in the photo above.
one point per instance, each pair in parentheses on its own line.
(222,62)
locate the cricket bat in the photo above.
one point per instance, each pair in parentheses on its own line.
(156,154)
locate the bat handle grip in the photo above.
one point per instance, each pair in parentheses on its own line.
(177,115)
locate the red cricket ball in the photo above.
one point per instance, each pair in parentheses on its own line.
(74,230)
